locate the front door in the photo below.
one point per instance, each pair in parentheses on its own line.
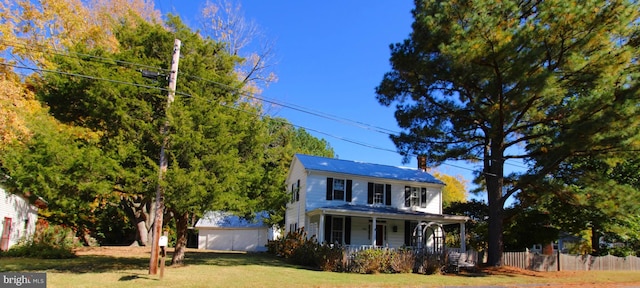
(380,234)
(6,234)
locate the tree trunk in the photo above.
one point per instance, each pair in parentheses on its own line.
(494,177)
(494,255)
(142,238)
(595,241)
(138,212)
(182,221)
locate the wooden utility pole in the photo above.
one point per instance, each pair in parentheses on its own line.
(159,203)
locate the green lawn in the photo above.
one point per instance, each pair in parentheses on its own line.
(207,269)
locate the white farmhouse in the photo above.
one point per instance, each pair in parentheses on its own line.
(363,205)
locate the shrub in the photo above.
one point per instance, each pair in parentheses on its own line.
(371,261)
(296,248)
(331,258)
(53,242)
(306,253)
(431,263)
(402,261)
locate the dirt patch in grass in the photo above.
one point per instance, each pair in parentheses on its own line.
(137,251)
(115,251)
(582,279)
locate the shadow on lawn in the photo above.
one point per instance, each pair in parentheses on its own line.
(102,263)
(236,259)
(81,264)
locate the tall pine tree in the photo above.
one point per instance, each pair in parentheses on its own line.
(490,81)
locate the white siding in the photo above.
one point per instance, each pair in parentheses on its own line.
(434,203)
(230,239)
(295,212)
(395,239)
(23,216)
(316,193)
(360,231)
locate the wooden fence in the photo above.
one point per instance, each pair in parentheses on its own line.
(566,262)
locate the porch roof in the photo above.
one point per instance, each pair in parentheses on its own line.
(387,213)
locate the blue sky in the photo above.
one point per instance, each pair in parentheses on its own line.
(330,57)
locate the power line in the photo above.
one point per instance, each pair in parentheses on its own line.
(91,77)
(105,60)
(328,116)
(323,115)
(228,106)
(302,109)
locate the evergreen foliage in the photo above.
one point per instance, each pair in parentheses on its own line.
(492,80)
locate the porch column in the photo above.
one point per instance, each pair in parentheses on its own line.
(463,238)
(373,231)
(321,229)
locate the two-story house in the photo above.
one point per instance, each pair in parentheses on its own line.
(367,205)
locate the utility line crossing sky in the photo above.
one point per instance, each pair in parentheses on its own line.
(329,57)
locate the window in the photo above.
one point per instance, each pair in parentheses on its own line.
(415,197)
(337,230)
(339,189)
(295,191)
(379,194)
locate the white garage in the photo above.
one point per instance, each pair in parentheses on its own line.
(219,230)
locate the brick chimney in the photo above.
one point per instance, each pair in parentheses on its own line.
(422,162)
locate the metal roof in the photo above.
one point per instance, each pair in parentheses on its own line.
(365,169)
(388,212)
(221,219)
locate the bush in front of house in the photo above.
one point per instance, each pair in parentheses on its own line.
(431,263)
(297,249)
(52,242)
(331,258)
(371,261)
(286,246)
(402,261)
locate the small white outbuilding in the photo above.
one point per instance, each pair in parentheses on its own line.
(218,230)
(18,218)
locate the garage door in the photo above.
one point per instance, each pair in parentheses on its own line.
(234,239)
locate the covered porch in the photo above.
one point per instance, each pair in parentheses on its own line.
(360,227)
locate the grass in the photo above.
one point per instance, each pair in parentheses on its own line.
(208,269)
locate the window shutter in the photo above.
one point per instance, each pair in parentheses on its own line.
(329,188)
(347,230)
(327,228)
(349,193)
(387,195)
(370,193)
(407,196)
(423,198)
(407,233)
(293,197)
(298,191)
